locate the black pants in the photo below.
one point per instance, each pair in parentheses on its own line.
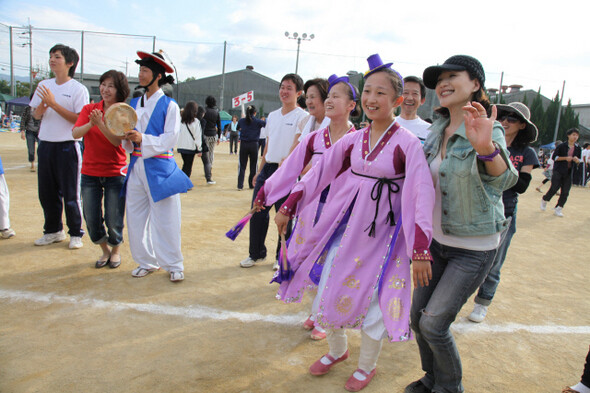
(187,163)
(248,150)
(559,180)
(586,375)
(59,185)
(233,141)
(259,221)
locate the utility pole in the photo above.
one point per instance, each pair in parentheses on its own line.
(303,37)
(12,86)
(82,58)
(559,113)
(30,58)
(222,77)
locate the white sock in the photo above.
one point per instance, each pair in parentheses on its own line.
(370,350)
(338,343)
(580,387)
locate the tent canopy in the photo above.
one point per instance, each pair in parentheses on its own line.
(548,146)
(223,115)
(20,102)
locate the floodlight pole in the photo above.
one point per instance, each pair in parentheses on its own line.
(295,36)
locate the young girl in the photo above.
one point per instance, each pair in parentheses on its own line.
(365,280)
(190,137)
(104,158)
(340,104)
(470,167)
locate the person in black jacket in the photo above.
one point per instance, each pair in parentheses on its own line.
(212,133)
(565,157)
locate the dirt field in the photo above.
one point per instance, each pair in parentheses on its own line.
(68,327)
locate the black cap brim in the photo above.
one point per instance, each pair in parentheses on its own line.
(431,74)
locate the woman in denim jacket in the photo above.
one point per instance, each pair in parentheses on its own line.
(470,167)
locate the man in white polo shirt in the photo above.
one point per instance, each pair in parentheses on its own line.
(281,126)
(58,101)
(414,94)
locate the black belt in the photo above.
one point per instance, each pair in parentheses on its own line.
(376,192)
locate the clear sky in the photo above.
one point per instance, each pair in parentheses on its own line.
(535,43)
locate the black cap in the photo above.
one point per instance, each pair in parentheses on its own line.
(455,63)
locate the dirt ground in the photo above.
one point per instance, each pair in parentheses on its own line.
(68,327)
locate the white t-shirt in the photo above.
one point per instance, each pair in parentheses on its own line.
(312,125)
(281,131)
(71,95)
(417,126)
(586,156)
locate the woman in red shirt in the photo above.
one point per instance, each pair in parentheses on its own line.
(102,165)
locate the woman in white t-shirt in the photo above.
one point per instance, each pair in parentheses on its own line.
(190,137)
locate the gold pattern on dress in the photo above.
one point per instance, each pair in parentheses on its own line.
(352,282)
(358,261)
(322,259)
(344,304)
(395,308)
(397,283)
(398,261)
(299,239)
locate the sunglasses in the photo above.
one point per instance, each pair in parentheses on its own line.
(509,118)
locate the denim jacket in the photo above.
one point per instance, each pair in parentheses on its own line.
(471,199)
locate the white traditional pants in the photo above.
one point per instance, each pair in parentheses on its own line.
(153,227)
(4,204)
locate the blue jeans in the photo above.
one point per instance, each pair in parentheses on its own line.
(32,138)
(93,189)
(488,288)
(456,274)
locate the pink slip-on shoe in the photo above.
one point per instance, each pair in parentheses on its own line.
(319,368)
(317,334)
(308,324)
(354,385)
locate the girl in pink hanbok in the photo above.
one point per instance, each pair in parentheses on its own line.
(340,105)
(373,224)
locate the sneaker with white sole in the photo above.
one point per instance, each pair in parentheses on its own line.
(50,238)
(479,313)
(141,272)
(249,262)
(7,233)
(211,182)
(75,242)
(275,267)
(557,211)
(543,204)
(176,276)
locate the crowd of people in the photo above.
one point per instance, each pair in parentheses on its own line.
(361,214)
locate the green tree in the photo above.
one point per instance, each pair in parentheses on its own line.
(190,79)
(4,87)
(550,119)
(569,119)
(538,114)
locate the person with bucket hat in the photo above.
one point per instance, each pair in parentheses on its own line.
(153,179)
(362,255)
(470,167)
(565,157)
(519,133)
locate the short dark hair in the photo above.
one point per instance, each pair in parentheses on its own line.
(296,79)
(321,84)
(69,54)
(120,81)
(572,130)
(419,81)
(210,101)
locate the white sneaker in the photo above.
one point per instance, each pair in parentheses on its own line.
(275,267)
(557,211)
(249,262)
(479,313)
(7,233)
(211,182)
(176,276)
(49,238)
(543,204)
(75,242)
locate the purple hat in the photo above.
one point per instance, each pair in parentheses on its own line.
(335,79)
(375,63)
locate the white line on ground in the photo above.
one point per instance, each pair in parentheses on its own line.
(202,312)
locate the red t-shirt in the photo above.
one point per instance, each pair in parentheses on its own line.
(101,158)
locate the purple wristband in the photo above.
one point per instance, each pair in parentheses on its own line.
(489,157)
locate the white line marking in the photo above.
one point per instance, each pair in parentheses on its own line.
(16,167)
(202,312)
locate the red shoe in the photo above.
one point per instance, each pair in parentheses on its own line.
(317,335)
(319,368)
(308,324)
(354,385)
